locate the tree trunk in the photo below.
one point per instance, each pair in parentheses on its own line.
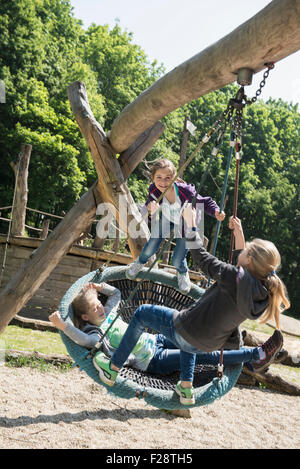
(269,36)
(42,261)
(21,191)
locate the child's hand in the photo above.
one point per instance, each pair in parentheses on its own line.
(57,321)
(189,214)
(219,216)
(92,286)
(235,224)
(152,208)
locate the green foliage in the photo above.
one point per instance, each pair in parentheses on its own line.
(122,67)
(41,48)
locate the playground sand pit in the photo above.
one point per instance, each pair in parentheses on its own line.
(42,410)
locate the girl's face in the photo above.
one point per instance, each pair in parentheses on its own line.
(244,259)
(96,313)
(162,178)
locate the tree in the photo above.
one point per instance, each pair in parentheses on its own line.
(122,67)
(41,48)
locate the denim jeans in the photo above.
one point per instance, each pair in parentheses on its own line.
(172,351)
(167,357)
(161,230)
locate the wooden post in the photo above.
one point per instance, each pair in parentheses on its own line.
(269,36)
(184,141)
(131,157)
(45,228)
(111,181)
(34,272)
(20,169)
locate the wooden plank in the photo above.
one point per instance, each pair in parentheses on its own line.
(19,252)
(74,250)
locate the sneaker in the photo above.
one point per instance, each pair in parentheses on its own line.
(134,269)
(186,394)
(184,283)
(271,348)
(106,374)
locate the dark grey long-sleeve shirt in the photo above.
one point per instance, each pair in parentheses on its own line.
(213,321)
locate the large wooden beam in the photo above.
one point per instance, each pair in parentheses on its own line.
(131,157)
(34,272)
(111,181)
(269,36)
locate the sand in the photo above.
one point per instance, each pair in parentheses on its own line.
(41,410)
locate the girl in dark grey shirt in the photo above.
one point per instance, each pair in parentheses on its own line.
(252,289)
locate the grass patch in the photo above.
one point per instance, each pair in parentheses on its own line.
(29,340)
(39,364)
(255,326)
(19,338)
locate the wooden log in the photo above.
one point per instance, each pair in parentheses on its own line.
(55,359)
(111,182)
(34,324)
(21,190)
(130,158)
(34,272)
(184,141)
(269,36)
(274,381)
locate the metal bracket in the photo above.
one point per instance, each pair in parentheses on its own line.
(244,76)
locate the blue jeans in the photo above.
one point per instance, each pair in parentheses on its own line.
(160,231)
(160,318)
(166,358)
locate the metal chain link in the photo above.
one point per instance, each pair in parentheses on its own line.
(270,66)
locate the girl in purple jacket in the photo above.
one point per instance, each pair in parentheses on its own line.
(169,218)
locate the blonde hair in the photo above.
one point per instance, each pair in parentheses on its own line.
(81,305)
(265,261)
(164,163)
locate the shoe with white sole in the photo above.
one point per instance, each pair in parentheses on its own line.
(106,374)
(133,269)
(184,283)
(186,394)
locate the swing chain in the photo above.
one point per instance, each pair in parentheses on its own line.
(236,105)
(270,66)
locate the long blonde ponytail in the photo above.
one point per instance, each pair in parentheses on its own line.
(265,261)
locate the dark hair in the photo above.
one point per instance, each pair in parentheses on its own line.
(81,304)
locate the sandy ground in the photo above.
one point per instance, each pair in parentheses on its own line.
(68,410)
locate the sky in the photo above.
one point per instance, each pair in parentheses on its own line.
(172,31)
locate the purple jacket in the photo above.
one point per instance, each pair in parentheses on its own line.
(186,193)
